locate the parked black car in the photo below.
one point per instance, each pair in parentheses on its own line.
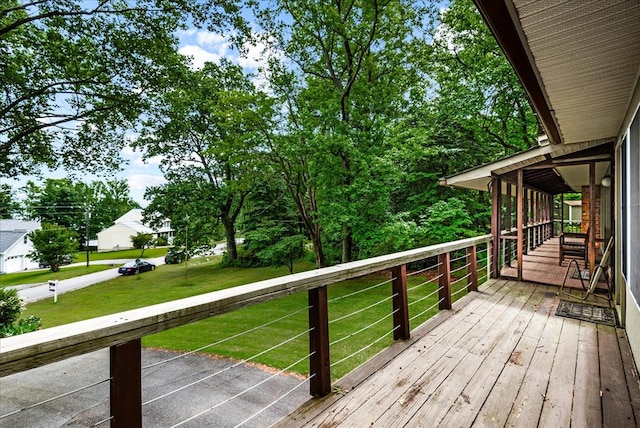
(136,267)
(66,260)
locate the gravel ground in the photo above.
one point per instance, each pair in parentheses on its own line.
(90,406)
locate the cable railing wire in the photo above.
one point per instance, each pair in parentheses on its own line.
(373,305)
(101,422)
(427,310)
(241,392)
(460,268)
(291,339)
(459,258)
(425,283)
(366,347)
(251,330)
(426,297)
(366,327)
(335,299)
(48,400)
(306,380)
(425,269)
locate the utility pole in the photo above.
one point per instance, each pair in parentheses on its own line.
(86,244)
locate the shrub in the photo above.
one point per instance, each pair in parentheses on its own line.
(22,326)
(11,306)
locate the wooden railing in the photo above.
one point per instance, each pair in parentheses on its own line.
(122,332)
(534,235)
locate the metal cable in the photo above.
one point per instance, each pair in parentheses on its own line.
(364,309)
(461,278)
(225,340)
(101,422)
(274,402)
(425,283)
(48,400)
(426,310)
(226,368)
(241,392)
(458,258)
(363,329)
(335,299)
(460,268)
(425,269)
(426,297)
(366,347)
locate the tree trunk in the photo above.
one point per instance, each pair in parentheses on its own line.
(232,249)
(347,244)
(317,250)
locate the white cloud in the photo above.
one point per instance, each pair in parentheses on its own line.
(154,160)
(199,56)
(142,181)
(207,38)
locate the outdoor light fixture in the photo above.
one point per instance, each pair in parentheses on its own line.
(606,181)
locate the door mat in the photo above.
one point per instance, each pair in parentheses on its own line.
(587,312)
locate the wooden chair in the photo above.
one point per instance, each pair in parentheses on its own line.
(575,246)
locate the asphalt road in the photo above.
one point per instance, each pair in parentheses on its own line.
(90,406)
(32,293)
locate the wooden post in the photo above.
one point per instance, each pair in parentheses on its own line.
(319,362)
(520,220)
(400,303)
(126,385)
(444,282)
(496,204)
(561,214)
(592,217)
(472,279)
(507,225)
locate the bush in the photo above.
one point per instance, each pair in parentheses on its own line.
(161,241)
(22,326)
(11,306)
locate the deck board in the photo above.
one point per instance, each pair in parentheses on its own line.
(500,358)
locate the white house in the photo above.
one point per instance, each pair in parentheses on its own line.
(15,245)
(118,236)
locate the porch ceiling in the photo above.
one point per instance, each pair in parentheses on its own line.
(578,60)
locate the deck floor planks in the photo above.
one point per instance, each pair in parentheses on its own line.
(616,411)
(377,386)
(540,360)
(466,406)
(631,373)
(492,350)
(502,398)
(556,408)
(586,410)
(416,378)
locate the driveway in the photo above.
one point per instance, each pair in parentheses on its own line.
(86,408)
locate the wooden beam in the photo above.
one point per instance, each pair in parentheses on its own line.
(496,228)
(520,192)
(592,217)
(472,280)
(126,385)
(507,225)
(400,303)
(319,362)
(444,282)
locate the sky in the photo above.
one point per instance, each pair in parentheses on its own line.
(201,46)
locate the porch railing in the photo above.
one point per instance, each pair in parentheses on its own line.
(458,270)
(533,236)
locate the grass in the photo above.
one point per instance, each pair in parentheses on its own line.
(124,254)
(40,276)
(369,326)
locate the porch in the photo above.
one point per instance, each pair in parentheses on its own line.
(501,357)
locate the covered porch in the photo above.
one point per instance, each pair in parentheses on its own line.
(501,357)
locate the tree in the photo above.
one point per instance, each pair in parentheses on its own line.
(9,207)
(76,74)
(52,243)
(205,131)
(141,241)
(352,66)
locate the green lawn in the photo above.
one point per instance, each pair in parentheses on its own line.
(40,276)
(124,254)
(168,283)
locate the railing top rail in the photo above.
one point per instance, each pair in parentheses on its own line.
(57,343)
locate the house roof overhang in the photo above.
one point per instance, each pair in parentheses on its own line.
(578,61)
(552,169)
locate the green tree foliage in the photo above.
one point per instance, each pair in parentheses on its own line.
(141,241)
(9,206)
(447,221)
(52,243)
(349,66)
(76,74)
(205,129)
(11,306)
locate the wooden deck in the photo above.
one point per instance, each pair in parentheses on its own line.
(500,358)
(540,265)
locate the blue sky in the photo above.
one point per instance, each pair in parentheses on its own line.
(201,46)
